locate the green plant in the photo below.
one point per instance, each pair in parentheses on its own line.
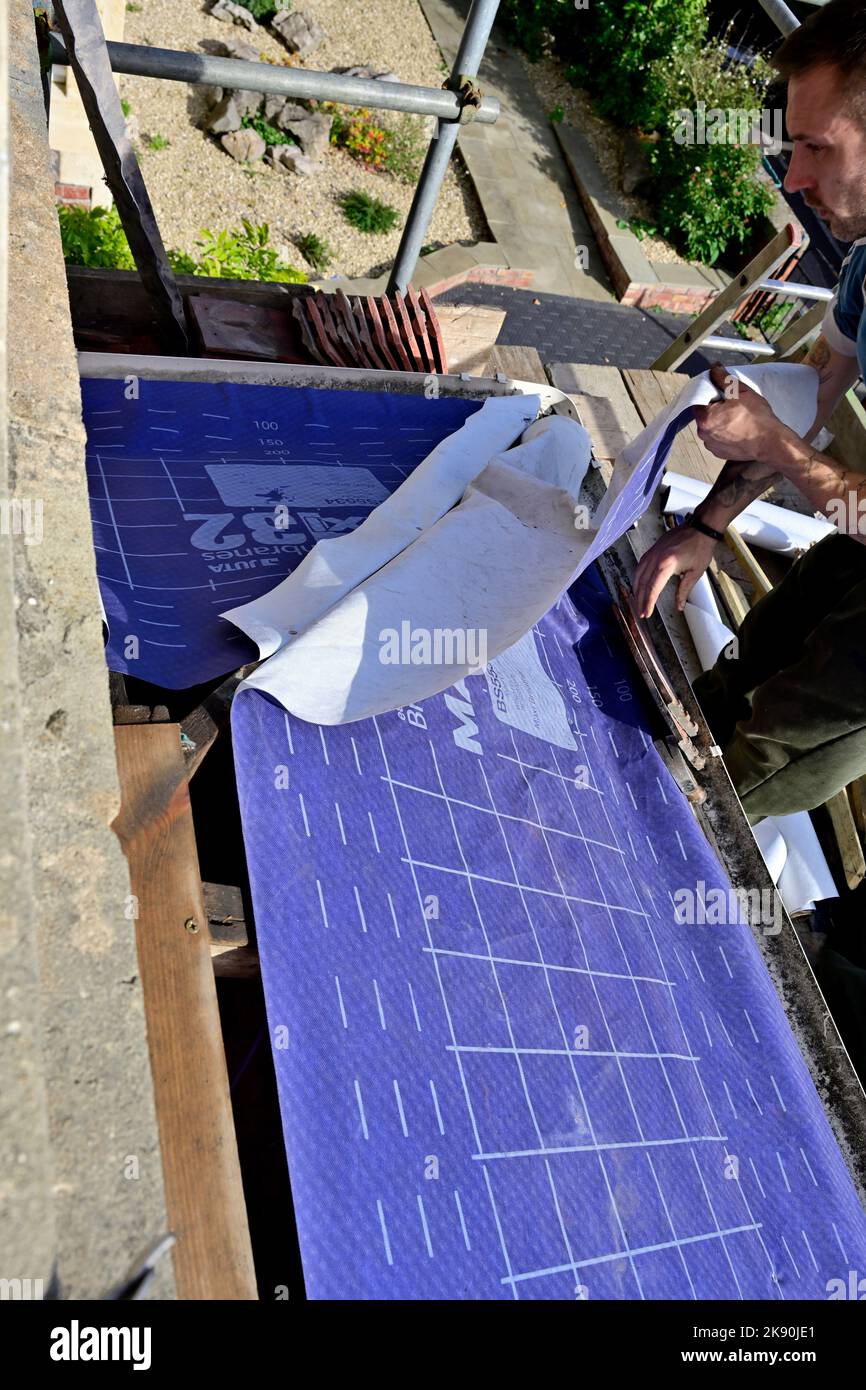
(315,251)
(638,226)
(621,42)
(405,148)
(355,132)
(181,262)
(125,107)
(608,46)
(771,320)
(264,10)
(133,9)
(368,214)
(242,255)
(156,142)
(94,237)
(528,22)
(271,134)
(707,193)
(398,148)
(556,115)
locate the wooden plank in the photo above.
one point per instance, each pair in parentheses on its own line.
(240,964)
(204,1193)
(518,363)
(746,558)
(857,797)
(224,911)
(847,424)
(732,595)
(652,392)
(850,848)
(204,723)
(794,337)
(603,404)
(469,331)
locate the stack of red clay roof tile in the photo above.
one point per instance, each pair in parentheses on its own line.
(394,333)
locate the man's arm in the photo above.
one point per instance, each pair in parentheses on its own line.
(742,481)
(685,552)
(839,492)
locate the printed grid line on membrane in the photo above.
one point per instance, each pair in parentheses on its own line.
(451,1041)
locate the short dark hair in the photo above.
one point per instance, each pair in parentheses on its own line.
(833,36)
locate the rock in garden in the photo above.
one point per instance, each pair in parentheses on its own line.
(233,14)
(312,132)
(281,113)
(224,117)
(247,102)
(289,159)
(236,48)
(244,145)
(366,72)
(298,30)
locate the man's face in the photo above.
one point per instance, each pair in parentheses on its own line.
(828,163)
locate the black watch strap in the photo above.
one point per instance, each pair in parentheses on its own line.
(705,530)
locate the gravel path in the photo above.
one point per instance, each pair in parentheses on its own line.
(193,183)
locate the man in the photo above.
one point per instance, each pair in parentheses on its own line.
(790,710)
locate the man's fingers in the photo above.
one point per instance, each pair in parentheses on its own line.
(658,582)
(719,376)
(649,573)
(685,586)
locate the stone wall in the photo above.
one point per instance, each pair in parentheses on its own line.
(81,1191)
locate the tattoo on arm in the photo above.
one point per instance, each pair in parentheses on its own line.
(738,484)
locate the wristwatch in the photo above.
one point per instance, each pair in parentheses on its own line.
(691,520)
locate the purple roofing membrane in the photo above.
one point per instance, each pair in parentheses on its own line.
(505,1069)
(205,495)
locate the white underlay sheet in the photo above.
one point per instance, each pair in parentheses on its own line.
(480,539)
(790,388)
(762,523)
(349,626)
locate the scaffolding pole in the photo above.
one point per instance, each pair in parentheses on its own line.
(784,19)
(205,70)
(473,42)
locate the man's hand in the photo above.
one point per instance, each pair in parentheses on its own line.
(683,551)
(742,427)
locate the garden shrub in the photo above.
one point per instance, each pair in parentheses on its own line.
(315,250)
(96,237)
(368,214)
(355,132)
(397,148)
(611,48)
(706,194)
(608,46)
